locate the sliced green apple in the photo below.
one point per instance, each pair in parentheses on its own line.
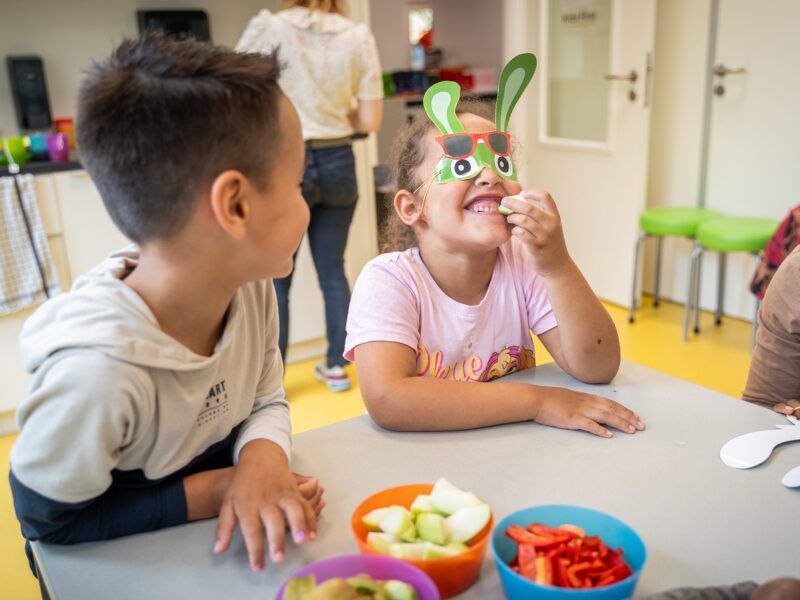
(430,527)
(372,520)
(415,551)
(447,498)
(399,521)
(399,590)
(380,541)
(465,523)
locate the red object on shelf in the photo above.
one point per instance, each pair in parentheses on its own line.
(466,82)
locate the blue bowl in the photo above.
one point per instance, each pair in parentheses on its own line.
(613,532)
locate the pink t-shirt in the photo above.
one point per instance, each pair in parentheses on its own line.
(396,299)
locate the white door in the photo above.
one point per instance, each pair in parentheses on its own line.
(585,138)
(755,128)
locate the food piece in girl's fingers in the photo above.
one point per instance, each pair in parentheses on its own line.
(504,210)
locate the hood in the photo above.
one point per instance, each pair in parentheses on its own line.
(315,20)
(103,314)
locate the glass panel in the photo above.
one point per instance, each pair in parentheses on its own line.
(579,54)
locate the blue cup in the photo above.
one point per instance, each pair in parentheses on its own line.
(613,532)
(38,146)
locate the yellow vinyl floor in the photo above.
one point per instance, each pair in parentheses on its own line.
(718,358)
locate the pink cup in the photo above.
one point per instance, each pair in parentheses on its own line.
(57,147)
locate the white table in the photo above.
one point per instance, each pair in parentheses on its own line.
(703,523)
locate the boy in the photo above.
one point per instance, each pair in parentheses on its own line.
(156,395)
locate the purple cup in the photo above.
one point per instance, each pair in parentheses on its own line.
(57,147)
(377,567)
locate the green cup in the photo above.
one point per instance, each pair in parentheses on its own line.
(14,150)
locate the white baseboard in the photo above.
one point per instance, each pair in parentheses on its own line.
(8,423)
(306,350)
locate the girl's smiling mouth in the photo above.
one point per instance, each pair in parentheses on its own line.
(487,204)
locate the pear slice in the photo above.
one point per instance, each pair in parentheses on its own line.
(438,551)
(430,527)
(465,523)
(422,503)
(447,498)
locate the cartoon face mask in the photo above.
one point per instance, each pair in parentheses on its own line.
(467,154)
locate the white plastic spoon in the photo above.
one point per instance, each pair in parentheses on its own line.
(792,478)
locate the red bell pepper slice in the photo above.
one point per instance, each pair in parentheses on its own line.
(573,529)
(544,571)
(522,536)
(574,573)
(554,535)
(526,554)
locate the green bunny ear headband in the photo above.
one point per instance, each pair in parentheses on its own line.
(467,154)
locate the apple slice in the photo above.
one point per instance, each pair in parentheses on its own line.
(465,523)
(380,541)
(415,551)
(447,498)
(438,551)
(422,503)
(398,521)
(399,590)
(430,527)
(372,520)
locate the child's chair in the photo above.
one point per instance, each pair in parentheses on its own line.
(724,234)
(659,223)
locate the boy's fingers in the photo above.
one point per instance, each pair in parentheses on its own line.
(275,526)
(253,534)
(296,514)
(225,526)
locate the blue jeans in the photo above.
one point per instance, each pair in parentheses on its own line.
(330,189)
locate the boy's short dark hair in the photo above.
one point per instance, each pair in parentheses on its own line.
(161,119)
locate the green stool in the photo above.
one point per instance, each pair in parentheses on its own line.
(660,222)
(724,234)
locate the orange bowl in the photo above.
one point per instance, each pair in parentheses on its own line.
(451,574)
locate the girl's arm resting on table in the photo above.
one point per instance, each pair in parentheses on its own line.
(398,399)
(585,343)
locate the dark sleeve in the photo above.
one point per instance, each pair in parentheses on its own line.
(117,512)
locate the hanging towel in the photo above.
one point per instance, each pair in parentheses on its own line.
(27,273)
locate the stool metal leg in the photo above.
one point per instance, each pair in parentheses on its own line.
(656,299)
(698,278)
(690,294)
(720,287)
(634,296)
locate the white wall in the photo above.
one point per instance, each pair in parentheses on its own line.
(682,28)
(69,34)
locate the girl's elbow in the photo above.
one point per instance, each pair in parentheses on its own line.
(379,408)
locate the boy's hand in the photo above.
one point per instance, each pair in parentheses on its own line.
(538,225)
(790,407)
(312,490)
(264,495)
(568,409)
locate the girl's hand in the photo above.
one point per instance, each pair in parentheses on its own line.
(538,225)
(568,409)
(791,407)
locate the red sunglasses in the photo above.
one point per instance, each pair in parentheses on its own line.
(462,145)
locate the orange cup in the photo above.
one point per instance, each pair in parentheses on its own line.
(451,574)
(66,127)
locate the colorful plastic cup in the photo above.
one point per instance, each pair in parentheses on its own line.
(611,530)
(57,147)
(451,574)
(377,567)
(38,146)
(15,151)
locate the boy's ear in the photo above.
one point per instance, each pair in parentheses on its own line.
(230,204)
(406,207)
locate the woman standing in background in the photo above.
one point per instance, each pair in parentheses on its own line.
(332,75)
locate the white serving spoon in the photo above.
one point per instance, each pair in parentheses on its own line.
(752,449)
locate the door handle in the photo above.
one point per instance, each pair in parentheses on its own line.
(632,77)
(720,71)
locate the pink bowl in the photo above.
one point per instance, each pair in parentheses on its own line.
(377,567)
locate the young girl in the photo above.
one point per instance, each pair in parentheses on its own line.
(459,305)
